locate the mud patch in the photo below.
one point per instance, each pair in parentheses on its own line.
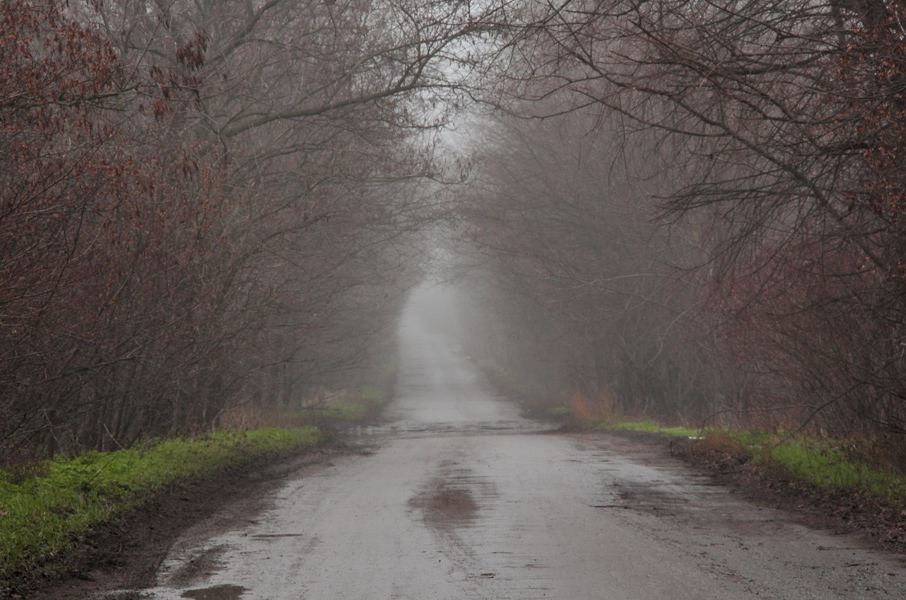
(647,499)
(453,499)
(878,524)
(124,595)
(197,567)
(218,592)
(446,506)
(117,561)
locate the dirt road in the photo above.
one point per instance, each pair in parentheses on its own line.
(460,498)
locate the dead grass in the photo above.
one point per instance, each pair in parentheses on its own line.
(581,408)
(593,413)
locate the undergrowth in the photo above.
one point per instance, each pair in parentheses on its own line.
(41,516)
(344,409)
(533,398)
(354,405)
(509,382)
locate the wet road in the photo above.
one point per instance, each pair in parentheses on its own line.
(460,498)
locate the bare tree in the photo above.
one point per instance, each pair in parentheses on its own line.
(782,120)
(569,243)
(235,203)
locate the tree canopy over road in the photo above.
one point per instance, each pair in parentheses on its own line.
(690,208)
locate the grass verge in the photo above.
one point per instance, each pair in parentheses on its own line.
(652,427)
(829,465)
(42,515)
(869,474)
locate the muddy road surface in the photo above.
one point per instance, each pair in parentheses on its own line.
(461,498)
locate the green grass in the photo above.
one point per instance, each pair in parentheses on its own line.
(652,427)
(825,466)
(818,463)
(41,516)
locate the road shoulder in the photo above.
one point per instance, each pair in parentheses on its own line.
(126,554)
(880,527)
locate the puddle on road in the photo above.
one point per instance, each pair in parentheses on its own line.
(453,499)
(193,568)
(419,429)
(218,592)
(649,499)
(445,506)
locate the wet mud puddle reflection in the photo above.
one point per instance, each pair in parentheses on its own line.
(218,592)
(447,507)
(454,498)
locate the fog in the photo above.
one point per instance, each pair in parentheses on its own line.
(438,309)
(218,224)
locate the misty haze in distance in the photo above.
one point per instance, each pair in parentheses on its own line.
(222,206)
(227,215)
